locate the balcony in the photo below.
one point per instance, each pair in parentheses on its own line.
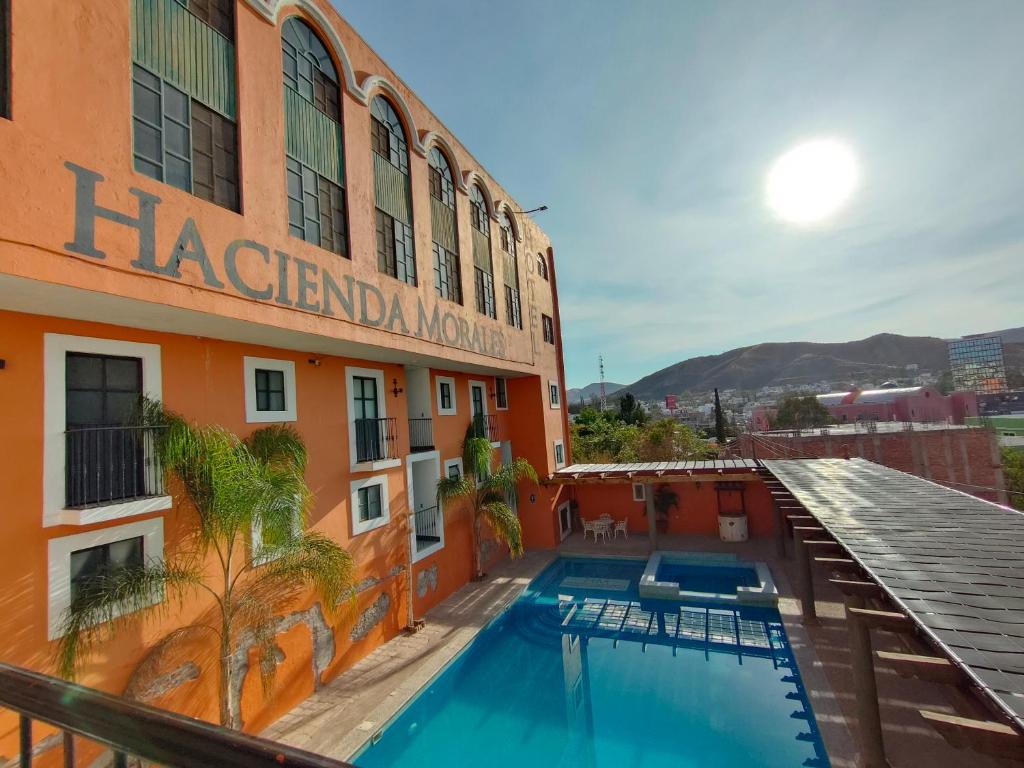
(428,528)
(376,439)
(129,729)
(421,435)
(107,465)
(485,425)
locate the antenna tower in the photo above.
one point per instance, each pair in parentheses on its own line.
(604,395)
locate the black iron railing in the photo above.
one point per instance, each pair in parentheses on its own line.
(104,465)
(485,425)
(421,434)
(376,439)
(428,527)
(134,730)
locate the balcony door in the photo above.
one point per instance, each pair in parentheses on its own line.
(105,457)
(476,396)
(367,418)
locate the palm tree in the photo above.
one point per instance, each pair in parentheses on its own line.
(251,499)
(488,493)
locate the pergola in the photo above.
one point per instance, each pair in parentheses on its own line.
(914,557)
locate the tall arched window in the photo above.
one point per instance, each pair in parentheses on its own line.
(314,157)
(444,228)
(395,253)
(483,267)
(510,271)
(184,97)
(542,266)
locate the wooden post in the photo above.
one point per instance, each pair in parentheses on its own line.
(803,557)
(866,690)
(780,530)
(652,523)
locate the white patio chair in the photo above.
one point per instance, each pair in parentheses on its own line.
(602,527)
(592,526)
(620,525)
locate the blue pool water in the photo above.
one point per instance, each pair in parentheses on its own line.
(585,674)
(707,578)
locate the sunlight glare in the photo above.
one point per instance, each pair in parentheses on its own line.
(812,181)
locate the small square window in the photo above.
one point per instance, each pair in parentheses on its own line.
(269,390)
(446,400)
(639,492)
(446,395)
(369,503)
(548,327)
(93,562)
(453,469)
(559,454)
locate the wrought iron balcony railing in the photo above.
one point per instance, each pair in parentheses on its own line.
(485,425)
(421,434)
(104,465)
(428,527)
(133,730)
(376,439)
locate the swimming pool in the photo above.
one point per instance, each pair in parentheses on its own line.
(580,672)
(707,578)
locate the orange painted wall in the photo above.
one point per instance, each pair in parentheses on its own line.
(697,513)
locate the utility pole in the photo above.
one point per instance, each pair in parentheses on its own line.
(604,395)
(719,422)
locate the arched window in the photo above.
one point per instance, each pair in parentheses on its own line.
(314,157)
(444,228)
(183,117)
(542,266)
(483,267)
(395,253)
(510,271)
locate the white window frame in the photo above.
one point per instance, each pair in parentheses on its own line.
(566,506)
(555,404)
(59,563)
(370,373)
(483,386)
(287,367)
(554,449)
(449,463)
(505,381)
(413,458)
(450,381)
(256,543)
(639,492)
(359,526)
(55,349)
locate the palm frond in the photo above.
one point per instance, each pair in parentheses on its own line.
(314,559)
(452,488)
(505,524)
(278,444)
(506,478)
(476,455)
(107,599)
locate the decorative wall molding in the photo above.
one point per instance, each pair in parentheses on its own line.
(374,84)
(472,177)
(431,139)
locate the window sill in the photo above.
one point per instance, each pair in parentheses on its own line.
(425,553)
(107,512)
(375,466)
(495,443)
(372,525)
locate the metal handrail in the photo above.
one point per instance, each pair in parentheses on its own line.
(486,425)
(421,434)
(376,439)
(138,730)
(107,464)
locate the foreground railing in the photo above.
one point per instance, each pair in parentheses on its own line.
(134,730)
(109,464)
(376,439)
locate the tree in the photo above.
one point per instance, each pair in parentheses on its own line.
(1013,470)
(240,489)
(945,382)
(798,411)
(630,410)
(488,493)
(719,421)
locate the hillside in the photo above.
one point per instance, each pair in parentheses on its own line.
(591,390)
(794,363)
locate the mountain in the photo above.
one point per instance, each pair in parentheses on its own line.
(591,390)
(794,363)
(1010,335)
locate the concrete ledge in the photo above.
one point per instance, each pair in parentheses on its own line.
(765,593)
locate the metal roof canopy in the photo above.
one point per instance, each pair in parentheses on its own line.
(658,472)
(952,562)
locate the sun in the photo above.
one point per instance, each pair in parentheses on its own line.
(812,181)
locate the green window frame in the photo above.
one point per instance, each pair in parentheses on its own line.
(370,507)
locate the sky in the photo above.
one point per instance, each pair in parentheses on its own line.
(648,128)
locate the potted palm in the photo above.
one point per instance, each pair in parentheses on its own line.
(237,488)
(487,493)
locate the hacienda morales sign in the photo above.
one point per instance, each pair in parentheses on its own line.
(289,281)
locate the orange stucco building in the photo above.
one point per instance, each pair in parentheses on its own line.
(234,206)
